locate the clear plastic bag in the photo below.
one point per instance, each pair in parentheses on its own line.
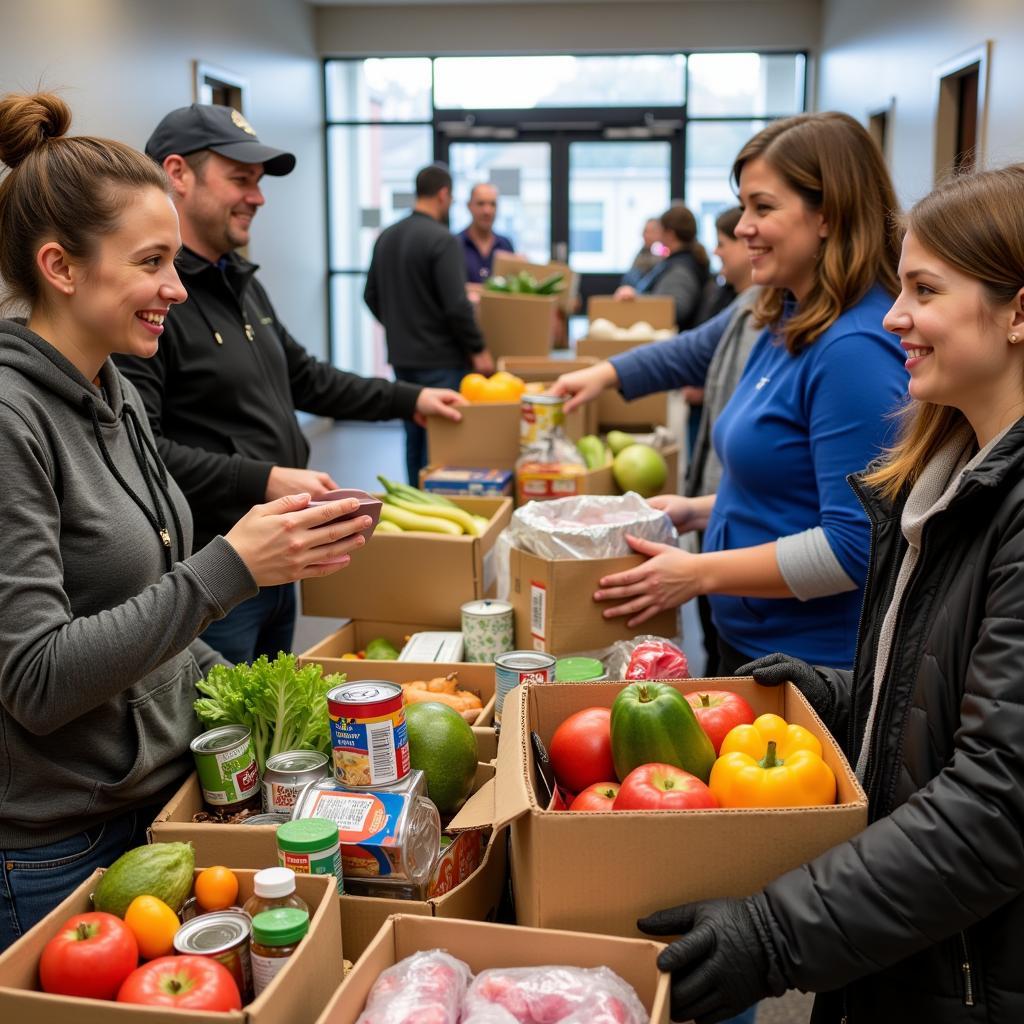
(425,988)
(551,995)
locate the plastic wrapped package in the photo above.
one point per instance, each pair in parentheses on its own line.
(425,988)
(585,526)
(654,658)
(551,995)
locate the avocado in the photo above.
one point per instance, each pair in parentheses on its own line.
(163,870)
(381,649)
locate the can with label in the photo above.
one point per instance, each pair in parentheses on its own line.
(519,667)
(310,847)
(226,764)
(287,774)
(368,733)
(223,936)
(579,670)
(487,629)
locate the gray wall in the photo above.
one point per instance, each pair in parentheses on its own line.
(122,64)
(873,50)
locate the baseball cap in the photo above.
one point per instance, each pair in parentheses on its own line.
(221,129)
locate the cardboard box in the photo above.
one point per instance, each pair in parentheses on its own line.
(554,609)
(508,263)
(658,310)
(567,869)
(612,409)
(517,325)
(414,577)
(495,945)
(297,995)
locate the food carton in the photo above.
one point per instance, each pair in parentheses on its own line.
(517,325)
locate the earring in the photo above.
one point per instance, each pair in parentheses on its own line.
(1012,339)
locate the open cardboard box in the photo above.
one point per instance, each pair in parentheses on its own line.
(414,577)
(517,325)
(658,310)
(599,872)
(255,846)
(613,411)
(554,609)
(508,263)
(296,996)
(496,945)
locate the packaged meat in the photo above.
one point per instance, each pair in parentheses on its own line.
(425,988)
(655,658)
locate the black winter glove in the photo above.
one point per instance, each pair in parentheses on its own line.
(776,669)
(724,961)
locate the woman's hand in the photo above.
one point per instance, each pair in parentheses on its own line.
(685,513)
(583,386)
(284,540)
(667,579)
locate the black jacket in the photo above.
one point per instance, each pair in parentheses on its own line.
(921,916)
(222,405)
(416,287)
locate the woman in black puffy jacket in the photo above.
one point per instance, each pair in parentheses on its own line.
(921,916)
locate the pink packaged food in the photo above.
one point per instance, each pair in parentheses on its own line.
(425,988)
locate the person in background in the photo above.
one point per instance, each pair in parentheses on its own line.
(682,273)
(649,256)
(479,241)
(222,390)
(919,917)
(786,543)
(103,591)
(416,288)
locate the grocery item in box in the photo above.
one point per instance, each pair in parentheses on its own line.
(451,480)
(425,986)
(445,647)
(368,733)
(461,855)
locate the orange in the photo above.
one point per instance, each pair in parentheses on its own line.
(216,888)
(153,924)
(472,386)
(499,389)
(511,380)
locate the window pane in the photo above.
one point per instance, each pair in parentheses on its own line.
(522,173)
(735,84)
(379,89)
(357,340)
(529,82)
(711,148)
(371,175)
(614,187)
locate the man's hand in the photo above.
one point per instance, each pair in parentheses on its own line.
(438,402)
(483,362)
(624,293)
(287,480)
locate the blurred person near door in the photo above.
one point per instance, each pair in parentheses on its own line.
(479,240)
(649,256)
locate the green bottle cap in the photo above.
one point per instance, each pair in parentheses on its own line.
(306,835)
(578,670)
(280,927)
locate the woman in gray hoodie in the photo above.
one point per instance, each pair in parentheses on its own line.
(102,596)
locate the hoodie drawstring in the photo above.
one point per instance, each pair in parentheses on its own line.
(156,518)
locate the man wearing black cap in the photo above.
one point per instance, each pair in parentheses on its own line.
(222,390)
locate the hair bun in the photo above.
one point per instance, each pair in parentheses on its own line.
(27,122)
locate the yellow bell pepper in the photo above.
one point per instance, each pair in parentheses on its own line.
(772,764)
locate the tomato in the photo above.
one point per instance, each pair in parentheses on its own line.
(184,982)
(598,797)
(153,924)
(90,956)
(581,749)
(662,787)
(216,888)
(718,711)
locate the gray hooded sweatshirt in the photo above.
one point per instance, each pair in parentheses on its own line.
(98,614)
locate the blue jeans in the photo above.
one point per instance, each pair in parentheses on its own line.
(34,881)
(265,624)
(415,435)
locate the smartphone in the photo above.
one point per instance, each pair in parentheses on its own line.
(368,506)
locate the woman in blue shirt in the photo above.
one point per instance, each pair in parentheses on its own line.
(786,542)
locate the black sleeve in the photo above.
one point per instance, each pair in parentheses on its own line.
(450,281)
(371,293)
(841,681)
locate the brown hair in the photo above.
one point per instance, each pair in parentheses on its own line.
(679,219)
(727,220)
(837,169)
(72,190)
(975,223)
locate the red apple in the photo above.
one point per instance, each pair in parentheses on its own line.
(598,797)
(719,711)
(662,787)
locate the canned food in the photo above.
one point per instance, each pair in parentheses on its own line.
(540,415)
(227,768)
(223,936)
(310,847)
(368,733)
(487,629)
(274,818)
(519,667)
(190,908)
(415,783)
(579,670)
(388,833)
(287,774)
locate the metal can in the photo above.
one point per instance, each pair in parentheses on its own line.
(223,936)
(274,819)
(368,733)
(540,415)
(519,667)
(226,764)
(487,629)
(287,774)
(190,908)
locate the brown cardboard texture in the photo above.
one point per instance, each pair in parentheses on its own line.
(567,869)
(414,577)
(296,996)
(658,310)
(517,325)
(255,846)
(507,263)
(538,369)
(498,945)
(612,409)
(555,610)
(353,637)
